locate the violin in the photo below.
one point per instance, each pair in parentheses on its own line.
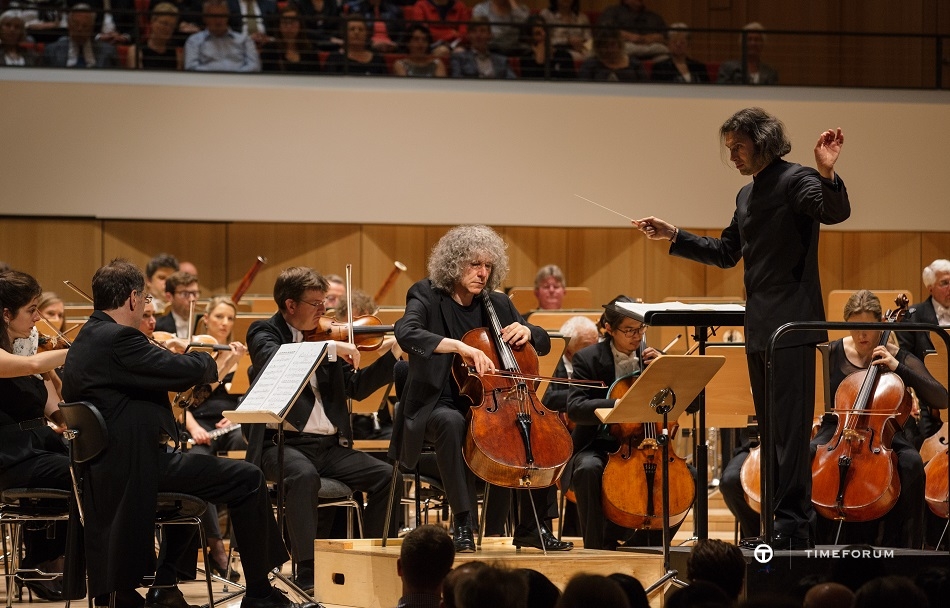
(368,332)
(47,343)
(513,440)
(854,475)
(631,488)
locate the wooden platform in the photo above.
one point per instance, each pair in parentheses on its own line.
(362,573)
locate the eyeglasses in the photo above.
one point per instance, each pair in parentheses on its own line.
(633,331)
(189,294)
(147,296)
(315,303)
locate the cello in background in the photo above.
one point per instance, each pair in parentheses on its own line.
(936,490)
(854,475)
(631,491)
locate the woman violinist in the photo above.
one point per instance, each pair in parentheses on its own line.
(903,525)
(465,266)
(31,453)
(621,353)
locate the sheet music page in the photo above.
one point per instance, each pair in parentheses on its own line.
(283,377)
(641,309)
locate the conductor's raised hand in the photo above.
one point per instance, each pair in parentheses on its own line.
(827,150)
(654,228)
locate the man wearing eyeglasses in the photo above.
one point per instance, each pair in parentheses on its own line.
(319,438)
(181,289)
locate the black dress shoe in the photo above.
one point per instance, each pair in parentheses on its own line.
(751,542)
(50,590)
(304,579)
(223,572)
(464,539)
(166,597)
(127,598)
(530,538)
(276,599)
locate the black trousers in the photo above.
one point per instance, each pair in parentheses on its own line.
(792,413)
(238,484)
(446,430)
(307,458)
(225,443)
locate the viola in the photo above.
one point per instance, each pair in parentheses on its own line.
(513,440)
(631,488)
(48,343)
(854,475)
(368,332)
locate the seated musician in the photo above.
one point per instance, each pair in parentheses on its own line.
(31,453)
(622,353)
(903,525)
(323,445)
(157,270)
(581,333)
(180,289)
(549,287)
(112,365)
(468,263)
(218,321)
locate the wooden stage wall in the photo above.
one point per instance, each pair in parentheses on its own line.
(608,261)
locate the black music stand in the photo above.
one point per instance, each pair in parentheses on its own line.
(702,317)
(274,391)
(662,391)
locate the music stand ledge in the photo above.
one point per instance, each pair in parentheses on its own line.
(663,391)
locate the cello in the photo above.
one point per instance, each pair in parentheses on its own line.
(513,440)
(631,490)
(854,475)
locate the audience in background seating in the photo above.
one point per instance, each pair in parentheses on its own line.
(447,20)
(452,579)
(717,562)
(117,23)
(540,57)
(564,14)
(218,48)
(425,558)
(12,37)
(356,58)
(253,18)
(494,587)
(158,52)
(419,62)
(321,20)
(478,61)
(78,48)
(505,39)
(290,50)
(585,590)
(679,67)
(643,31)
(610,62)
(756,72)
(383,20)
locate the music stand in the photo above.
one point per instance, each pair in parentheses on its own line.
(269,400)
(663,391)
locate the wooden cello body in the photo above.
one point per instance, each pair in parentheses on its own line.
(632,485)
(935,491)
(513,440)
(854,475)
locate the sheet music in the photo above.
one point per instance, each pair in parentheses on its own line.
(640,309)
(282,379)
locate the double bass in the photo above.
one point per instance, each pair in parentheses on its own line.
(631,490)
(513,440)
(854,475)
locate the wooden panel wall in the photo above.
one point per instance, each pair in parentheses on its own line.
(608,261)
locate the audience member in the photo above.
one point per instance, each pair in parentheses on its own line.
(643,31)
(935,583)
(452,579)
(478,61)
(291,50)
(505,39)
(448,21)
(610,62)
(115,20)
(158,52)
(52,310)
(419,62)
(890,591)
(253,18)
(181,289)
(355,58)
(542,593)
(679,67)
(585,590)
(156,271)
(383,20)
(218,48)
(78,48)
(12,37)
(425,558)
(572,31)
(857,569)
(752,40)
(699,594)
(189,18)
(44,20)
(632,588)
(493,586)
(764,600)
(549,287)
(541,60)
(321,21)
(828,595)
(717,562)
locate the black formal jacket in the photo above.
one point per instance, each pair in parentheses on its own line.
(555,397)
(337,381)
(128,379)
(918,342)
(166,322)
(775,232)
(419,332)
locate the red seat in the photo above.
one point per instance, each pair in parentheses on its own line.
(391,59)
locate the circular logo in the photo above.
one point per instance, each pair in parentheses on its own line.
(762,553)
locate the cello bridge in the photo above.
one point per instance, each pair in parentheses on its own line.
(649,444)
